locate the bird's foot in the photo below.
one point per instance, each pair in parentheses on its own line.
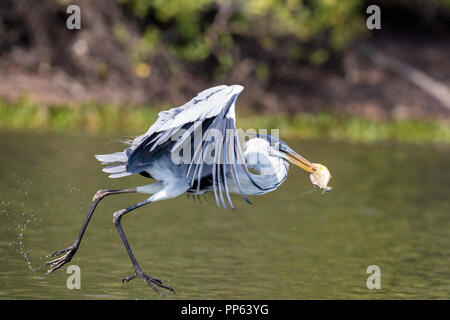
(59,262)
(150,281)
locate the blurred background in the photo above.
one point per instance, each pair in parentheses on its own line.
(372,105)
(317,58)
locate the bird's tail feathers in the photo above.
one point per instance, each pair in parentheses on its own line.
(112,157)
(117,164)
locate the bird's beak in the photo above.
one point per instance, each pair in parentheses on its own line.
(298,160)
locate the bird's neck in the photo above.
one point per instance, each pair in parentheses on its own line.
(267,171)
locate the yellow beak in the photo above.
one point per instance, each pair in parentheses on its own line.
(298,160)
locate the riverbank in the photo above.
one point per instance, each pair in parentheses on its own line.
(133,120)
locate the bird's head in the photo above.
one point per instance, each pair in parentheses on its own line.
(275,147)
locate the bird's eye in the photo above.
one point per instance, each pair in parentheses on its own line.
(277,145)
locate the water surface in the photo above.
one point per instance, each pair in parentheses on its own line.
(389,207)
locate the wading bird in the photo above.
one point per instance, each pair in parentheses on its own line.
(260,169)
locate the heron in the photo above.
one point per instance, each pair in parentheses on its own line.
(259,168)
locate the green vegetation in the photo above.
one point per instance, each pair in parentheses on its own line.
(94,117)
(194,30)
(210,28)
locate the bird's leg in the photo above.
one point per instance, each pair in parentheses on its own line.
(70,251)
(117,216)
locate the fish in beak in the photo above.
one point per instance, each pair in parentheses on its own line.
(319,175)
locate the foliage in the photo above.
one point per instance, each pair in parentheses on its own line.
(222,30)
(198,29)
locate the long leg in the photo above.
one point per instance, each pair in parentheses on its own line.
(70,251)
(117,216)
(166,192)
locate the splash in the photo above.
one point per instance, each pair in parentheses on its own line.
(21,248)
(19,219)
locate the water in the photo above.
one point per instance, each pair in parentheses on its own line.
(389,207)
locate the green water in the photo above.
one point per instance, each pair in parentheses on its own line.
(389,207)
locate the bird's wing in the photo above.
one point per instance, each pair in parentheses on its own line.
(213,111)
(205,105)
(168,122)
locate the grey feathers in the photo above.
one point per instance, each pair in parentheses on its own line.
(212,111)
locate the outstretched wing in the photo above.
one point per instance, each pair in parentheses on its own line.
(118,164)
(212,111)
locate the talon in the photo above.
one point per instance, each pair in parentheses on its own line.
(129,278)
(158,283)
(150,281)
(57,263)
(156,280)
(58,252)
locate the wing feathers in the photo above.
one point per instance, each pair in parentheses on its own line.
(213,112)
